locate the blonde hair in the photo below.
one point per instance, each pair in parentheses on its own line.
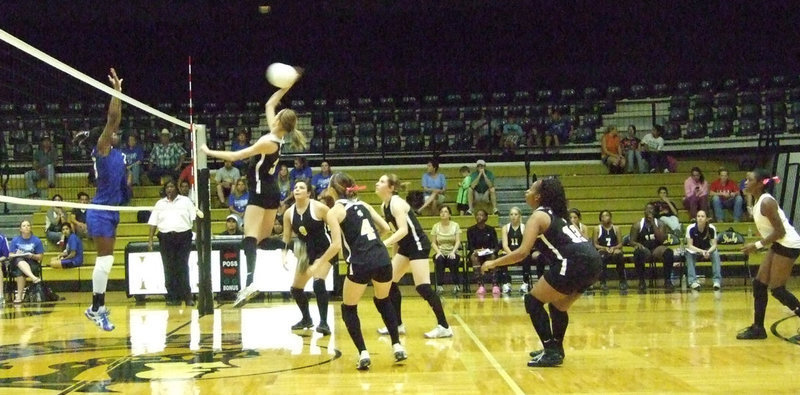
(235,190)
(515,208)
(287,118)
(394,182)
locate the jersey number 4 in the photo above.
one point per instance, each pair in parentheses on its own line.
(367,229)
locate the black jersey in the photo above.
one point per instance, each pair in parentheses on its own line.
(701,240)
(310,230)
(416,239)
(561,238)
(647,234)
(514,236)
(360,236)
(606,237)
(261,171)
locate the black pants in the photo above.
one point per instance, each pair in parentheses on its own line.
(442,262)
(175,248)
(656,159)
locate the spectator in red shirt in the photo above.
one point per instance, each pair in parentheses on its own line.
(725,194)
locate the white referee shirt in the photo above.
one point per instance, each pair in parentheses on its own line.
(173,216)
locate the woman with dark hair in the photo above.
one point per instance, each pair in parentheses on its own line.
(359,225)
(607,240)
(575,266)
(445,242)
(575,218)
(264,197)
(632,151)
(412,251)
(666,211)
(695,192)
(784,248)
(53,220)
(434,185)
(300,171)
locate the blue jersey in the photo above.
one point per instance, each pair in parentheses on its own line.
(74,243)
(111,176)
(30,245)
(3,246)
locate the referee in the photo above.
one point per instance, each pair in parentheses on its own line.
(173,216)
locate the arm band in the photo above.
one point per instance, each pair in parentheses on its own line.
(759,244)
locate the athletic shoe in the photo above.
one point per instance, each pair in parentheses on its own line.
(604,287)
(695,286)
(469,211)
(507,288)
(481,290)
(323,328)
(401,329)
(752,332)
(623,285)
(439,332)
(303,324)
(363,361)
(439,289)
(495,290)
(100,318)
(717,286)
(523,288)
(560,351)
(399,352)
(668,286)
(548,358)
(244,295)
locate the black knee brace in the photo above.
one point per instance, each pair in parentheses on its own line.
(532,305)
(786,298)
(759,289)
(425,291)
(298,293)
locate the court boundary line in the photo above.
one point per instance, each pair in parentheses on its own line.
(774,329)
(492,360)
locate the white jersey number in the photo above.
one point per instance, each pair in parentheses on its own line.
(367,230)
(574,234)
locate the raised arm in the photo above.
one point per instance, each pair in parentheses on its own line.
(262,146)
(114,116)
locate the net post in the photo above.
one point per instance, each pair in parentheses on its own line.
(205,299)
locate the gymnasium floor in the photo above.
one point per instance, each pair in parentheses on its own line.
(680,342)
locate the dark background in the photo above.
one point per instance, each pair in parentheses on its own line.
(354,48)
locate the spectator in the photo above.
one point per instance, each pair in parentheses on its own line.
(187,174)
(632,151)
(3,259)
(608,240)
(462,200)
(78,217)
(72,256)
(575,219)
(434,185)
(652,150)
(173,216)
(321,180)
(54,218)
(44,165)
(695,190)
(482,246)
(666,210)
(300,171)
(725,194)
(558,131)
(512,132)
(185,189)
(237,201)
(166,159)
(134,155)
(611,153)
(480,132)
(647,238)
(446,242)
(226,176)
(511,239)
(284,183)
(26,252)
(482,187)
(701,243)
(232,226)
(241,142)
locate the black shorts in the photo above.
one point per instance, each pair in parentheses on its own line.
(791,253)
(413,253)
(362,275)
(269,198)
(576,274)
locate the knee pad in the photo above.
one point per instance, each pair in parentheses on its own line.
(532,305)
(319,287)
(100,273)
(297,293)
(759,288)
(425,291)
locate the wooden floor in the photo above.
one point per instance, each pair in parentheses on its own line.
(680,342)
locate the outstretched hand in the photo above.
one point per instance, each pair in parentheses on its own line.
(488,265)
(115,81)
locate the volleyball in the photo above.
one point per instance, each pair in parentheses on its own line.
(281,75)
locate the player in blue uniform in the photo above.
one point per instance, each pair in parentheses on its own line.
(575,265)
(112,190)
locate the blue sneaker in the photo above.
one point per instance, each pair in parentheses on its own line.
(100,317)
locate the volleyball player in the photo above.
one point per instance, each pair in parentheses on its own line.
(512,236)
(575,265)
(412,250)
(112,190)
(784,242)
(306,219)
(265,197)
(607,241)
(367,259)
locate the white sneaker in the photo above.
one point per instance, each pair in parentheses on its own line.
(399,352)
(523,288)
(439,332)
(717,286)
(363,361)
(244,295)
(507,288)
(439,289)
(695,285)
(401,329)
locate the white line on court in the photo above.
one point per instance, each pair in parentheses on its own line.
(511,383)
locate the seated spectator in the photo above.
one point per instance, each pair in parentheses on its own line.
(462,199)
(446,242)
(652,150)
(321,180)
(575,219)
(701,243)
(512,133)
(479,128)
(558,131)
(534,137)
(134,155)
(482,187)
(647,237)
(511,240)
(695,190)
(226,176)
(3,259)
(725,194)
(72,256)
(166,159)
(666,210)
(300,171)
(748,199)
(185,189)
(44,165)
(241,142)
(632,151)
(237,200)
(187,174)
(78,217)
(232,226)
(482,246)
(611,154)
(54,218)
(284,184)
(25,253)
(608,241)
(434,184)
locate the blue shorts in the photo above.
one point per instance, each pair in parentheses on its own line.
(70,263)
(102,223)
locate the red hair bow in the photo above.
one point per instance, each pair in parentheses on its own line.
(356,188)
(776,179)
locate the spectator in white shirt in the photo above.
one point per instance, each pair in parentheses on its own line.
(652,146)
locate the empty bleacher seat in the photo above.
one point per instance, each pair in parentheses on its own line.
(522,97)
(684,88)
(702,114)
(364,102)
(584,107)
(471,113)
(495,112)
(367,143)
(672,131)
(775,124)
(429,114)
(605,107)
(638,91)
(462,141)
(477,98)
(722,128)
(454,100)
(391,142)
(414,142)
(343,144)
(450,113)
(406,115)
(341,117)
(318,144)
(706,86)
(517,111)
(747,127)
(779,81)
(724,99)
(409,101)
(776,109)
(568,96)
(386,102)
(583,135)
(678,114)
(613,93)
(431,100)
(590,93)
(726,113)
(730,85)
(696,130)
(440,141)
(660,90)
(363,116)
(591,120)
(23,152)
(749,97)
(499,98)
(384,115)
(750,111)
(411,128)
(345,129)
(18,137)
(544,96)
